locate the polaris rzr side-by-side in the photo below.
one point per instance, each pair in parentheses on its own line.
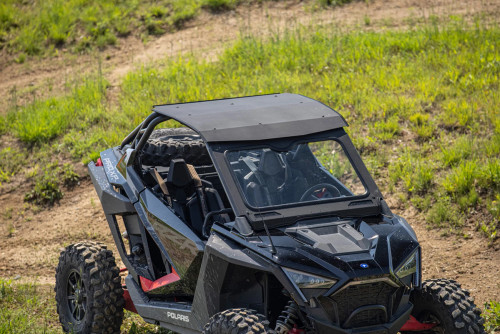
(260,217)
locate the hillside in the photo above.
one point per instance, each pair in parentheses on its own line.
(417,81)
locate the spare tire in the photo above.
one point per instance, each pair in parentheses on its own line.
(170,132)
(177,143)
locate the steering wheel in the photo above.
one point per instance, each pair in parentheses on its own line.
(320,191)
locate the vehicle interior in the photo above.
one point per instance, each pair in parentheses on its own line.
(266,177)
(193,191)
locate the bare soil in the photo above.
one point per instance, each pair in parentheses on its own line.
(30,238)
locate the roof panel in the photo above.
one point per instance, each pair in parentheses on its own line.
(254,117)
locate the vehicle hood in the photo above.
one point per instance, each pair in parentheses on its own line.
(344,249)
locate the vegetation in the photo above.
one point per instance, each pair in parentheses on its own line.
(30,308)
(25,308)
(491,314)
(48,182)
(29,28)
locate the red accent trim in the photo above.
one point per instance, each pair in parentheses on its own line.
(99,162)
(414,325)
(148,285)
(129,304)
(296,330)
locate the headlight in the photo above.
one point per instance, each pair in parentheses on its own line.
(409,267)
(308,281)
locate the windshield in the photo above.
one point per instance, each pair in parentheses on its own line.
(307,172)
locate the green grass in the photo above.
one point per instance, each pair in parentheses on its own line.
(41,27)
(29,28)
(49,181)
(422,105)
(30,308)
(26,308)
(491,314)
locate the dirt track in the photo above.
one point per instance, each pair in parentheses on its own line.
(31,251)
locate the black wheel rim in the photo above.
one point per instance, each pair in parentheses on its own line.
(77,296)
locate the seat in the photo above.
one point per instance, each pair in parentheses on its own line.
(264,184)
(180,185)
(186,200)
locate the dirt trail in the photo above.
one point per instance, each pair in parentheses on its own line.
(208,34)
(30,241)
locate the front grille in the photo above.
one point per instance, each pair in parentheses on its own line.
(371,297)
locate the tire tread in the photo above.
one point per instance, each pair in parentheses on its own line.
(104,293)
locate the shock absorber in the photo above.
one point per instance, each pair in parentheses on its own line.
(288,319)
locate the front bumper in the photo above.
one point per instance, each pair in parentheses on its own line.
(393,327)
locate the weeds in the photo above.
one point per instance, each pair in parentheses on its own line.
(26,308)
(461,179)
(415,173)
(459,151)
(443,214)
(11,160)
(47,183)
(491,315)
(219,5)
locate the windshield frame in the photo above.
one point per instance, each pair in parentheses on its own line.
(367,204)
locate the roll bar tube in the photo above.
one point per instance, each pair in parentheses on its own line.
(136,131)
(154,122)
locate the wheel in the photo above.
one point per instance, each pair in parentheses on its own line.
(320,191)
(181,143)
(237,321)
(89,293)
(447,304)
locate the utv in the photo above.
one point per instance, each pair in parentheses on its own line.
(258,218)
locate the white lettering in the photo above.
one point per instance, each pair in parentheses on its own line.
(177,316)
(110,169)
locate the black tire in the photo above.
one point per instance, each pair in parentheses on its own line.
(169,132)
(445,302)
(237,321)
(181,143)
(89,293)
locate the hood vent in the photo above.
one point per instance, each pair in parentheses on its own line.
(336,237)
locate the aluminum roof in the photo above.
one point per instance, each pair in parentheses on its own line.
(254,117)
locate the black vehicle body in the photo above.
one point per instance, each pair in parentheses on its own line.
(255,256)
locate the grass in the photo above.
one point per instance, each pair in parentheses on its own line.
(49,181)
(30,308)
(26,308)
(491,314)
(30,28)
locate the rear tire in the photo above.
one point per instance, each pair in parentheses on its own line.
(89,293)
(445,302)
(237,321)
(181,143)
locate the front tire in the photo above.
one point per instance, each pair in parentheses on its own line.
(88,290)
(445,302)
(237,321)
